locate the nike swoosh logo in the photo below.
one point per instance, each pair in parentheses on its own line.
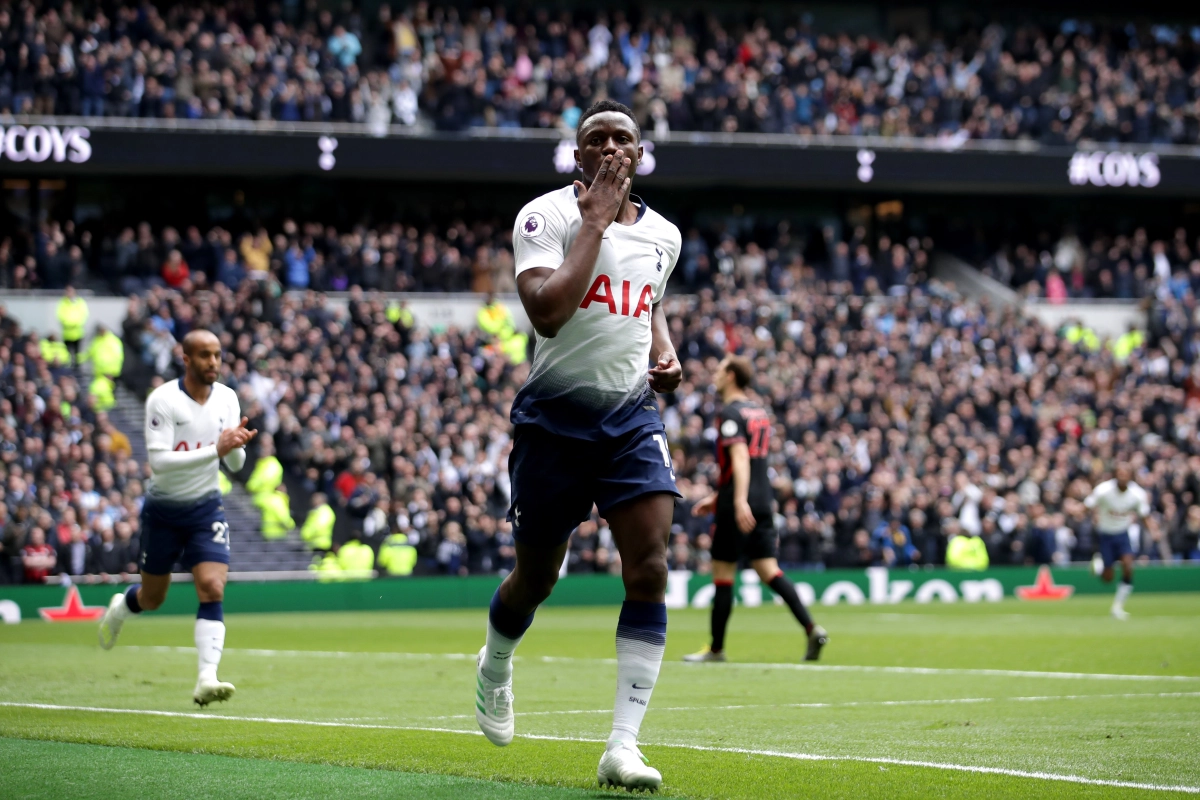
(651,686)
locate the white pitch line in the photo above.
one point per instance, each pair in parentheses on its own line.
(944,701)
(995,673)
(1014,773)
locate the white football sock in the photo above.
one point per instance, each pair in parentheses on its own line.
(497,665)
(122,611)
(210,641)
(1123,592)
(638,662)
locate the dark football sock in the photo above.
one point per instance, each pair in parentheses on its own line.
(721,609)
(781,586)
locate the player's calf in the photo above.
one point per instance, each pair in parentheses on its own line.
(493,671)
(210,643)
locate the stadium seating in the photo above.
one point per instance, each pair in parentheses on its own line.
(436,66)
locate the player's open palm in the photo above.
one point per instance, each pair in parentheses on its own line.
(233,438)
(600,202)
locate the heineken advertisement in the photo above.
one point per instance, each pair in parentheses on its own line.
(876,586)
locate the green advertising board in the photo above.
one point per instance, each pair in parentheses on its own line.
(871,586)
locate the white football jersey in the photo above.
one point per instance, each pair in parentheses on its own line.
(175,422)
(597,363)
(1116,511)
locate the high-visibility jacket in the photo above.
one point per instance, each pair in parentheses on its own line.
(397,556)
(224,482)
(55,354)
(318,527)
(103,393)
(276,516)
(356,557)
(516,348)
(494,319)
(266,477)
(1077,334)
(107,354)
(1124,345)
(72,315)
(327,568)
(398,313)
(966,552)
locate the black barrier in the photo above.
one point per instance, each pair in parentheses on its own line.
(771,162)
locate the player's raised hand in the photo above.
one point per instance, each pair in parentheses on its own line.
(600,202)
(233,438)
(666,374)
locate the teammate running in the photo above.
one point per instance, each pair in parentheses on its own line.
(592,262)
(191,424)
(745,526)
(1117,504)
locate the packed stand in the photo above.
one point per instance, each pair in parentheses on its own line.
(901,422)
(459,256)
(70,489)
(682,72)
(1100,266)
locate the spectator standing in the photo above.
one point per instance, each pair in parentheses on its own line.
(38,557)
(106,352)
(72,316)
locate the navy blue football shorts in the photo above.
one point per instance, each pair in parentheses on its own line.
(1113,546)
(187,533)
(556,479)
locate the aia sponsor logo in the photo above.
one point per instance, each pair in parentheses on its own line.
(602,292)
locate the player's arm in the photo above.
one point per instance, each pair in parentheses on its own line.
(1143,507)
(1091,502)
(666,373)
(706,506)
(235,459)
(739,458)
(160,436)
(551,296)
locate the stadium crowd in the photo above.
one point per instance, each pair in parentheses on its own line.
(679,72)
(1124,267)
(459,256)
(904,415)
(70,489)
(901,422)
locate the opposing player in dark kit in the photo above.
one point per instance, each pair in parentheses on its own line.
(592,263)
(745,526)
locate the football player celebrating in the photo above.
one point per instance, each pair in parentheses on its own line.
(592,263)
(191,425)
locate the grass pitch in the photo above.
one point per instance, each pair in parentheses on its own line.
(996,700)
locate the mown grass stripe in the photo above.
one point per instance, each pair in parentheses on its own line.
(1013,773)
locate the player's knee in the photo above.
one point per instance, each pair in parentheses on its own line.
(538,587)
(530,587)
(648,577)
(210,590)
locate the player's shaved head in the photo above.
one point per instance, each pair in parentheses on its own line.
(605,110)
(198,339)
(202,357)
(1124,474)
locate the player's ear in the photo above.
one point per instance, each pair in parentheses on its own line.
(578,161)
(639,158)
